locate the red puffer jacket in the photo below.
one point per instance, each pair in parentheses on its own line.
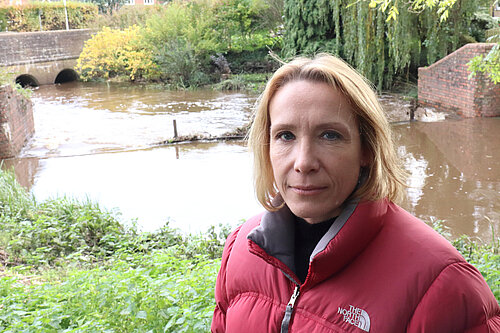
(377,269)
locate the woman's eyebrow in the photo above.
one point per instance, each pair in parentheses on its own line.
(280,126)
(322,126)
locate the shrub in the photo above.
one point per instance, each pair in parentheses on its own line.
(164,294)
(179,65)
(177,40)
(488,65)
(481,21)
(57,230)
(45,16)
(485,257)
(126,16)
(202,29)
(113,52)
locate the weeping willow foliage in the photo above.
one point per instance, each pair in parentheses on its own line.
(379,48)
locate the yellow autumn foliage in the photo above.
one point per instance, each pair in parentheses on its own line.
(115,52)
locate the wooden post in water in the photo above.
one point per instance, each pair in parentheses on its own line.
(175,129)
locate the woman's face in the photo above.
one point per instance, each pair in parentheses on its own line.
(315,148)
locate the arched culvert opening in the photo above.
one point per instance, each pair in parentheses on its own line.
(66,75)
(27,80)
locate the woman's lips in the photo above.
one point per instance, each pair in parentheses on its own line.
(307,189)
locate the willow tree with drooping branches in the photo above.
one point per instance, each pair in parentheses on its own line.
(383,40)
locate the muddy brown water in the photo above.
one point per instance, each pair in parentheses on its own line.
(96,141)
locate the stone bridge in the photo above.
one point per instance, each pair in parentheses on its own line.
(45,57)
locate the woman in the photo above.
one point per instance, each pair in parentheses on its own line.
(332,252)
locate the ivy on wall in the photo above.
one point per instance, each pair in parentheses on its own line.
(44,16)
(378,45)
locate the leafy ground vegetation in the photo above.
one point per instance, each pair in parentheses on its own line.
(68,266)
(8,78)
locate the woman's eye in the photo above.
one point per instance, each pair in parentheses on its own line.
(331,135)
(285,136)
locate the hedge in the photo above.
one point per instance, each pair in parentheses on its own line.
(43,16)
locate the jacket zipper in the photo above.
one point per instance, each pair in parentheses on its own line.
(289,309)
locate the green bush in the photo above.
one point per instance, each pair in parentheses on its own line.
(179,65)
(54,231)
(163,294)
(179,38)
(108,278)
(480,23)
(113,52)
(485,257)
(493,35)
(126,16)
(488,65)
(255,82)
(45,16)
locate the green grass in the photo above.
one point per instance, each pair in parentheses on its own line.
(9,78)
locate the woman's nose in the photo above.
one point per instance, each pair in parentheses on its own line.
(306,159)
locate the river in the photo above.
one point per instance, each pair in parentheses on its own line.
(99,142)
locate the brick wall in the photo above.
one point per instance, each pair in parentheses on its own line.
(445,85)
(16,121)
(34,47)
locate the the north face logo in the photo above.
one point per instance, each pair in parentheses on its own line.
(357,317)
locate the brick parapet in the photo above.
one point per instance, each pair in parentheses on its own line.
(445,85)
(16,121)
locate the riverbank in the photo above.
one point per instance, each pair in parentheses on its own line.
(66,264)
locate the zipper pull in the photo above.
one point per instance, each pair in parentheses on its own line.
(289,310)
(294,297)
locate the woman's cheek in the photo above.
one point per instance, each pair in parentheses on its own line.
(279,149)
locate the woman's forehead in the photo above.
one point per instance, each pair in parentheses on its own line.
(312,103)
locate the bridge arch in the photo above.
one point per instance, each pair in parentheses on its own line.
(66,75)
(27,80)
(46,56)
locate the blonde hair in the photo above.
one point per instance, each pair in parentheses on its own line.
(385,176)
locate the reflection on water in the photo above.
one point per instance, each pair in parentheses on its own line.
(454,165)
(455,173)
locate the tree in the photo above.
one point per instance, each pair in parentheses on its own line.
(442,7)
(489,64)
(385,40)
(108,6)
